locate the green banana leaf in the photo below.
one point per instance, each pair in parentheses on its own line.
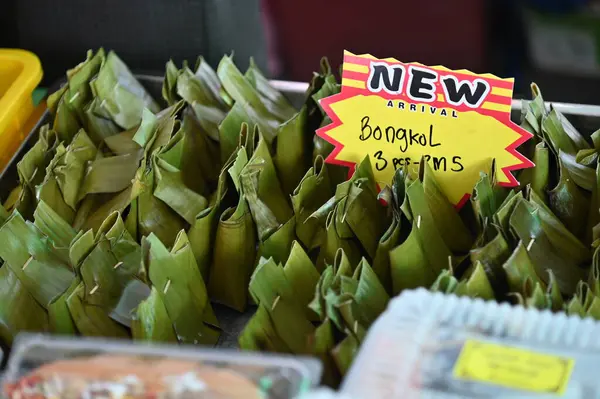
(318,304)
(291,325)
(594,276)
(575,308)
(437,251)
(312,192)
(370,296)
(342,266)
(92,320)
(200,158)
(59,317)
(303,277)
(558,234)
(32,167)
(70,169)
(400,202)
(169,89)
(203,229)
(208,109)
(477,285)
(292,154)
(54,98)
(541,171)
(502,217)
(493,255)
(123,246)
(594,211)
(535,296)
(171,189)
(323,148)
(593,309)
(269,284)
(121,95)
(333,242)
(561,137)
(209,79)
(365,216)
(572,133)
(182,291)
(582,175)
(340,307)
(409,264)
(341,223)
(381,261)
(486,198)
(14,298)
(68,103)
(230,129)
(275,102)
(234,255)
(329,87)
(447,221)
(532,113)
(445,283)
(155,216)
(59,232)
(110,174)
(100,278)
(265,220)
(587,157)
(527,225)
(269,188)
(31,257)
(103,277)
(80,76)
(321,344)
(344,352)
(259,334)
(279,244)
(98,127)
(146,131)
(65,123)
(152,322)
(553,293)
(94,209)
(49,190)
(244,94)
(80,248)
(519,268)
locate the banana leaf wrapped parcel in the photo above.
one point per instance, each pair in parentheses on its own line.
(135,216)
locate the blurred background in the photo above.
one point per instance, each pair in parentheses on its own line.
(555,43)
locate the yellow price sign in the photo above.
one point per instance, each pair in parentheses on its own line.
(513,367)
(398,113)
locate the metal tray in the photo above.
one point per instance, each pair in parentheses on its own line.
(232,322)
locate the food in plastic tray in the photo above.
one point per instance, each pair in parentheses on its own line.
(428,345)
(44,367)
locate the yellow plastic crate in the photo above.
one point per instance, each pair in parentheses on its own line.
(20,73)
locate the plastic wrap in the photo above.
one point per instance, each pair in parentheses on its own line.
(429,345)
(44,367)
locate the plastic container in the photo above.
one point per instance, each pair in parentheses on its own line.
(267,376)
(435,346)
(20,73)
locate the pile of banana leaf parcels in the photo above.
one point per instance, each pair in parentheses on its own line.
(130,218)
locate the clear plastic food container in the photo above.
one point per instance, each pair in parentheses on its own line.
(435,346)
(46,367)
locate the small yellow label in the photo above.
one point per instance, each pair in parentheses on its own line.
(513,367)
